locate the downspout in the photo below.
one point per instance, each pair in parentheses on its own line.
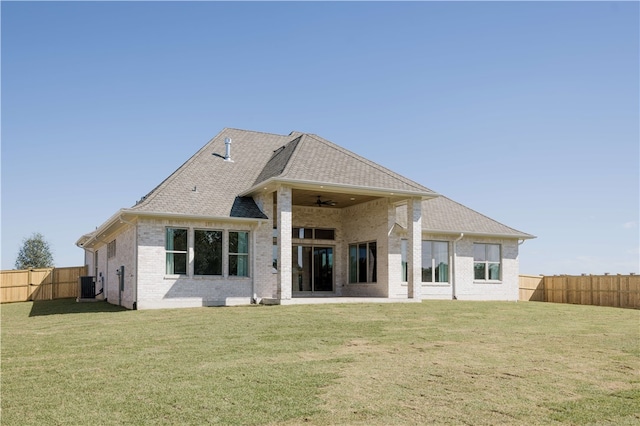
(135,256)
(454,267)
(254,271)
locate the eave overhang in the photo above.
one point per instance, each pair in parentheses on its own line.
(521,236)
(125,217)
(271,185)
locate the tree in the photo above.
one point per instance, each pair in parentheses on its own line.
(34,253)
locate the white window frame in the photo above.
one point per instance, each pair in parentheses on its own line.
(239,254)
(487,263)
(174,252)
(433,263)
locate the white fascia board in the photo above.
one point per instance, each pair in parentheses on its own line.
(102,229)
(337,187)
(194,217)
(132,214)
(479,234)
(473,234)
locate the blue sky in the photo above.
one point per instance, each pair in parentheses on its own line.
(525,112)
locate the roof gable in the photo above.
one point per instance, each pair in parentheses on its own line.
(311,158)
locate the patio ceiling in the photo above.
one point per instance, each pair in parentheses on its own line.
(309,198)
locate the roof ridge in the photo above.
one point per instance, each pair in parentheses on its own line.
(294,154)
(360,158)
(254,131)
(485,216)
(265,173)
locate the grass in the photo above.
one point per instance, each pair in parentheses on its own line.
(438,362)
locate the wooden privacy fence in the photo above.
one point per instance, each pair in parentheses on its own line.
(621,291)
(40,284)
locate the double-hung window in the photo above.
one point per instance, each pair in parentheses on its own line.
(486,262)
(363,262)
(176,249)
(435,262)
(207,252)
(239,253)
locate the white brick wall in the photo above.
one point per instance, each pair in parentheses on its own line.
(106,278)
(461,270)
(285,221)
(372,221)
(467,288)
(158,290)
(265,277)
(364,223)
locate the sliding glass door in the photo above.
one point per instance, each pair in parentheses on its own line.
(312,269)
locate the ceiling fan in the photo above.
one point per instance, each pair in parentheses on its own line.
(321,203)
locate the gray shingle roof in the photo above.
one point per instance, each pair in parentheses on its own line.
(441,214)
(206,185)
(278,161)
(316,159)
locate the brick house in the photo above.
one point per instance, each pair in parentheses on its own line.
(263,218)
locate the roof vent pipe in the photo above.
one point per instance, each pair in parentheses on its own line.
(227,155)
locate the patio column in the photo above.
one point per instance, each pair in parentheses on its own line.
(414,248)
(285,221)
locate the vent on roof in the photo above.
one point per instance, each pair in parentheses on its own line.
(227,154)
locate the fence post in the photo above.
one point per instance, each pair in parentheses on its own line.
(618,278)
(29,284)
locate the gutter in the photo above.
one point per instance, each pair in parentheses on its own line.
(118,218)
(520,236)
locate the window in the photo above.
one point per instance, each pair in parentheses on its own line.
(486,262)
(435,262)
(111,249)
(207,253)
(239,253)
(314,233)
(324,234)
(403,260)
(302,233)
(176,248)
(363,263)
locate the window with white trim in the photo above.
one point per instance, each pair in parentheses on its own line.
(435,262)
(239,253)
(486,262)
(176,250)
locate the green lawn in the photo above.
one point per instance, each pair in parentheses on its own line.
(437,362)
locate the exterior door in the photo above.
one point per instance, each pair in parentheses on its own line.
(312,269)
